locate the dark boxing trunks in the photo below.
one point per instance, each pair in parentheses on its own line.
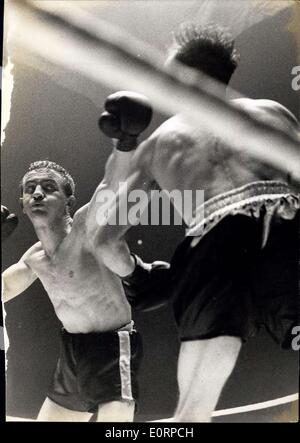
(96,368)
(241,271)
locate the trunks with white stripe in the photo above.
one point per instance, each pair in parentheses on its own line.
(97,368)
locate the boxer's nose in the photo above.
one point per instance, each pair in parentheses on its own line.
(38,193)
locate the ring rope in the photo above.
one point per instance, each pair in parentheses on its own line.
(108,55)
(222,412)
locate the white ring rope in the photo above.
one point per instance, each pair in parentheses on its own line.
(257,406)
(248,408)
(222,412)
(107,55)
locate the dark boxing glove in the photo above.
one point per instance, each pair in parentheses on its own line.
(149,286)
(127,115)
(8,222)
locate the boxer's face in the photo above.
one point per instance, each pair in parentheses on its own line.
(44,195)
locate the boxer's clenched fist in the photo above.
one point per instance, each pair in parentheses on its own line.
(8,222)
(127,115)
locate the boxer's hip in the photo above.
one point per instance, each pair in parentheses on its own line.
(97,368)
(244,270)
(263,200)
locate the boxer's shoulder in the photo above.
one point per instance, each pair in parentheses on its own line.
(33,249)
(269,111)
(79,218)
(172,136)
(32,254)
(175,133)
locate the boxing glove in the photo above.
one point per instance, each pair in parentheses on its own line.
(127,115)
(149,287)
(8,222)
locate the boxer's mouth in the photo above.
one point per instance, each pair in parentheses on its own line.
(37,204)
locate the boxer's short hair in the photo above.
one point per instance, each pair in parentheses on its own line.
(68,182)
(209,49)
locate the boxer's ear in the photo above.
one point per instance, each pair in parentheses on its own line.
(71,202)
(21,204)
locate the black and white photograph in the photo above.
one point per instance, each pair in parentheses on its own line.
(150,213)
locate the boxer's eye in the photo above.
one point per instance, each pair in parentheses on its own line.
(49,187)
(29,189)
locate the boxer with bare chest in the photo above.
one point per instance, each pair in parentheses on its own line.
(100,351)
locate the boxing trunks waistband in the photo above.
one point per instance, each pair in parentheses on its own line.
(128,327)
(273,197)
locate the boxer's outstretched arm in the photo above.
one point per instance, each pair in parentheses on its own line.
(117,169)
(109,206)
(126,116)
(115,254)
(17,278)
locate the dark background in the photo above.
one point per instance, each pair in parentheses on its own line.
(50,120)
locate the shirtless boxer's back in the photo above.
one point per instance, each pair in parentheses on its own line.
(181,156)
(237,269)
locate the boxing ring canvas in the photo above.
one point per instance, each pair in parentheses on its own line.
(51,112)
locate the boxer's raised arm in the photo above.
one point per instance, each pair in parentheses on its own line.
(117,169)
(110,212)
(127,115)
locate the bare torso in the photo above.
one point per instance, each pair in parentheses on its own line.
(86,295)
(186,158)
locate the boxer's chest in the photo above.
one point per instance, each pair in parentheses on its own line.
(65,270)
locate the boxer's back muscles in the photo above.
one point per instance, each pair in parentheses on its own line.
(188,158)
(178,156)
